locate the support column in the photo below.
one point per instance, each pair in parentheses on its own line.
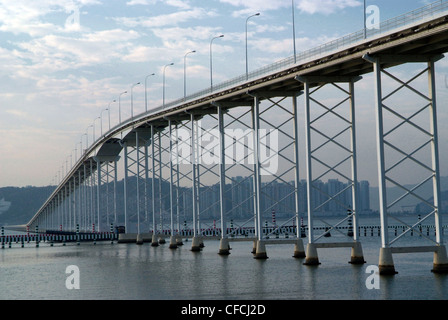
(311,252)
(299,251)
(224,246)
(139,240)
(260,252)
(162,236)
(154,241)
(173,242)
(196,242)
(125,186)
(98,195)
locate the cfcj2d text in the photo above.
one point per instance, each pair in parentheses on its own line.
(231,309)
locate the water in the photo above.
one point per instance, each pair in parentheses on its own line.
(141,272)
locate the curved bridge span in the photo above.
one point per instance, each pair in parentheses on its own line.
(169,174)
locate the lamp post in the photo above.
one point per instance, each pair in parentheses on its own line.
(108,108)
(146,94)
(87,137)
(164,69)
(294,31)
(211,61)
(365,20)
(94,128)
(132,99)
(185,73)
(119,106)
(247,62)
(101,116)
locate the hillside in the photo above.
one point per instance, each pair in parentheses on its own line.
(18,205)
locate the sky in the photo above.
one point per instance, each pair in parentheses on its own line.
(64,62)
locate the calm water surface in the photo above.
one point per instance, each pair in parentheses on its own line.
(130,271)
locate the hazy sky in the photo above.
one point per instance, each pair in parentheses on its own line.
(63,62)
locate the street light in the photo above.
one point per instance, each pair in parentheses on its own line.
(164,68)
(108,108)
(101,116)
(247,63)
(365,20)
(146,95)
(94,128)
(294,30)
(211,61)
(87,137)
(185,72)
(119,106)
(132,99)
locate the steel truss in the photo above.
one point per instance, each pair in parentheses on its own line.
(330,153)
(235,191)
(107,194)
(272,140)
(180,196)
(154,165)
(422,158)
(135,146)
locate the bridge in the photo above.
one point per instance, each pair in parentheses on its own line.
(253,124)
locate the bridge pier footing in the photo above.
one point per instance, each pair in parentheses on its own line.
(260,252)
(357,256)
(173,242)
(154,241)
(224,247)
(386,263)
(440,264)
(299,251)
(196,244)
(312,258)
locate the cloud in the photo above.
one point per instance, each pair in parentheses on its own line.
(57,52)
(253,6)
(182,4)
(169,19)
(307,6)
(326,6)
(27,17)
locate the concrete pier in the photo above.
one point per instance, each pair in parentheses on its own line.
(139,239)
(173,242)
(440,264)
(299,251)
(386,263)
(196,244)
(260,252)
(357,256)
(312,258)
(154,241)
(224,247)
